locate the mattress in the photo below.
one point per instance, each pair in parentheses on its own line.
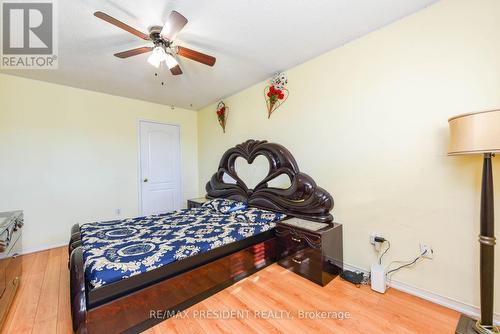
(120,249)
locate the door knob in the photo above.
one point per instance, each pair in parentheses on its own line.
(146,180)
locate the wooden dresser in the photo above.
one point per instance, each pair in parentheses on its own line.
(312,250)
(11,224)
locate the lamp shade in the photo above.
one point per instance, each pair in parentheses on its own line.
(475,133)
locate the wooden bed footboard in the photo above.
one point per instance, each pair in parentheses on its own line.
(138,311)
(77,291)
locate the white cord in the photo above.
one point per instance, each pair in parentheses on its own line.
(407,264)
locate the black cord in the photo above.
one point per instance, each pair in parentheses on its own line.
(381,256)
(405,265)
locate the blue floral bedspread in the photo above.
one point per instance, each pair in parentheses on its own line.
(114,250)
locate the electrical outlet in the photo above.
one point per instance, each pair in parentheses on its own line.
(426,251)
(373,236)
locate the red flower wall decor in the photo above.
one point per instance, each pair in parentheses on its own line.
(222,112)
(276,93)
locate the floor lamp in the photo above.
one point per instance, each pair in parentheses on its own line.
(479,133)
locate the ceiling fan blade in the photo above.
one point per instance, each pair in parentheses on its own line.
(176,70)
(174,24)
(120,24)
(196,56)
(133,52)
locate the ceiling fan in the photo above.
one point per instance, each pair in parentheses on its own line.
(163,43)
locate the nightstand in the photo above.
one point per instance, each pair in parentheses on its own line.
(312,250)
(196,202)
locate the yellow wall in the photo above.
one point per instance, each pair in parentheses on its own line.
(369,122)
(71,156)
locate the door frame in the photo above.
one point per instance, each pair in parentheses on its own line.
(139,169)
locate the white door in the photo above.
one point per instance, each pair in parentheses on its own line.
(160,167)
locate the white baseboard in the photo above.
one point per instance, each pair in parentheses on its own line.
(42,248)
(450,303)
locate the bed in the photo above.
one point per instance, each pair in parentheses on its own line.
(123,270)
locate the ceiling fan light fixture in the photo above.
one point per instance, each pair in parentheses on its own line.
(157,56)
(154,61)
(162,39)
(170,61)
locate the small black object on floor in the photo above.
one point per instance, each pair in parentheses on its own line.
(352,277)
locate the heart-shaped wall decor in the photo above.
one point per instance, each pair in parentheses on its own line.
(274,98)
(222,113)
(276,93)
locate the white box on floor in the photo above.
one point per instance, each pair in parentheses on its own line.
(377,276)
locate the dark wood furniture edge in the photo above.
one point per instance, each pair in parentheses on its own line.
(310,237)
(77,291)
(75,238)
(304,199)
(315,255)
(132,313)
(11,264)
(109,292)
(74,241)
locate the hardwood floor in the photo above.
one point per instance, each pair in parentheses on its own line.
(42,305)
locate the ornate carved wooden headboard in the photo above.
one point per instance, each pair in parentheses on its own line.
(303,199)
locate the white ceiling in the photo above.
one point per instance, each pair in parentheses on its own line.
(251,39)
